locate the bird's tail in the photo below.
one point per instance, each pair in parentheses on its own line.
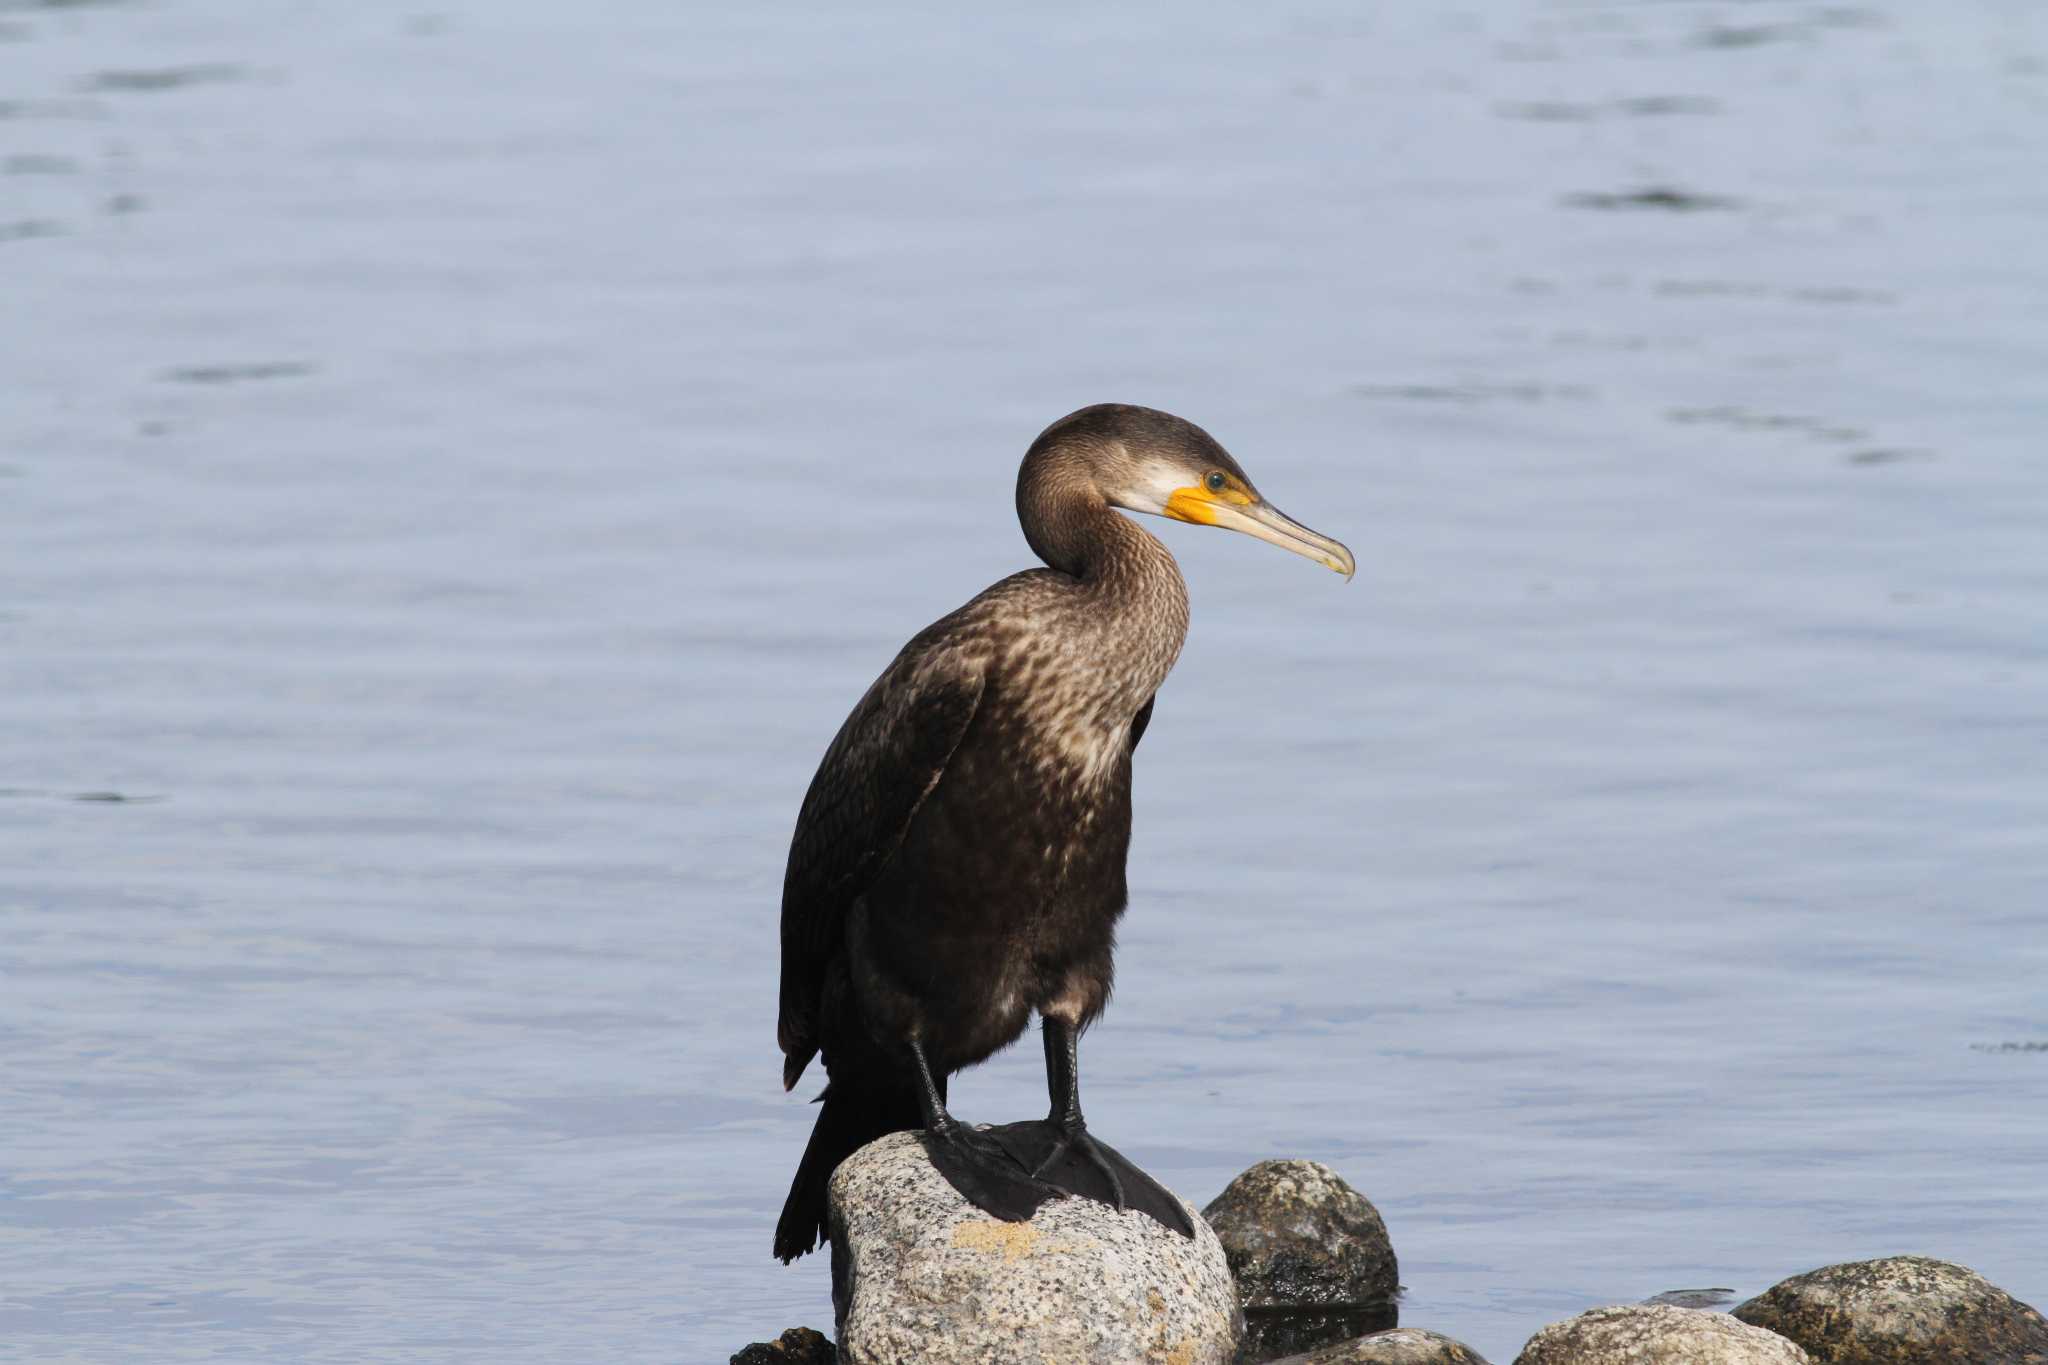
(849,1118)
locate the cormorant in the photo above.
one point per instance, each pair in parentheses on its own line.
(958,861)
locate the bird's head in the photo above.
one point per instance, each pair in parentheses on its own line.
(1146,460)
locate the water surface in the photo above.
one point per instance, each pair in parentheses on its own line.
(458,464)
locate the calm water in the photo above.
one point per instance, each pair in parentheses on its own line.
(459,461)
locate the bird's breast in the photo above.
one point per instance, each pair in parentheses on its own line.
(1067,743)
(1064,701)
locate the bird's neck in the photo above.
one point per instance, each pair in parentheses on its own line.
(1128,560)
(1139,593)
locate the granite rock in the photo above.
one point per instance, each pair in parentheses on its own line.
(921,1275)
(1657,1334)
(1310,1254)
(1901,1310)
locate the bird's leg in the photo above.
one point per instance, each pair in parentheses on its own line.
(1063,1084)
(1062,1072)
(937,1121)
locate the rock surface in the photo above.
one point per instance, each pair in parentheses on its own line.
(1657,1334)
(1401,1346)
(921,1275)
(797,1346)
(1310,1254)
(1898,1310)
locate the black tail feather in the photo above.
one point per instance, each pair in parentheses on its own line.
(849,1118)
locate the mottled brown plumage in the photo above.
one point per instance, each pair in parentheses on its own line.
(958,861)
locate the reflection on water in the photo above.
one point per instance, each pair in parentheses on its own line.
(1274,1332)
(457,469)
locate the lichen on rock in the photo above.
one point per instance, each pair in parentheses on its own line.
(1901,1310)
(1657,1334)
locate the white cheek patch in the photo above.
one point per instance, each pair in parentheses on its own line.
(1157,481)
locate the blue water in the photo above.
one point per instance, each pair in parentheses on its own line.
(459,462)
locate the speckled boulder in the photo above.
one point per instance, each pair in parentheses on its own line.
(1401,1346)
(1310,1255)
(1657,1334)
(797,1346)
(921,1275)
(1903,1310)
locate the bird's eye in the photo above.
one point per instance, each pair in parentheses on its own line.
(1215,481)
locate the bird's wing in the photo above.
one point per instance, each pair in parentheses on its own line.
(883,763)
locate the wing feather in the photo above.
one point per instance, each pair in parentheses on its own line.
(886,759)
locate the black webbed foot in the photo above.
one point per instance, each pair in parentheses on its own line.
(985,1173)
(1075,1162)
(1077,1142)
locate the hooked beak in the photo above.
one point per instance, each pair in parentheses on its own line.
(1257,517)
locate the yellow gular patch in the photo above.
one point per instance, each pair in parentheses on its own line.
(1192,504)
(1198,504)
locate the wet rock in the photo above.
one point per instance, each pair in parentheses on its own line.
(921,1275)
(1901,1310)
(1657,1334)
(797,1346)
(1693,1298)
(1310,1254)
(1402,1346)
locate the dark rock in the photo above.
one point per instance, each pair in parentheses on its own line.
(797,1346)
(1310,1255)
(1657,1334)
(1402,1346)
(1903,1310)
